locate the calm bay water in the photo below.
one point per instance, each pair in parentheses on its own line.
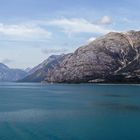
(69,112)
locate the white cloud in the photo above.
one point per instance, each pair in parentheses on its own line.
(105,20)
(21,31)
(54,51)
(79,26)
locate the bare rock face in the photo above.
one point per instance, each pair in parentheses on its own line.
(112,58)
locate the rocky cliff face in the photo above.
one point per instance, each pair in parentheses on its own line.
(114,57)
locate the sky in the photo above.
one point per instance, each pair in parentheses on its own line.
(32,30)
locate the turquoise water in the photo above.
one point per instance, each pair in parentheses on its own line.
(69,112)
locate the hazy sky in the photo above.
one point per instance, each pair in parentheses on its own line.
(31,30)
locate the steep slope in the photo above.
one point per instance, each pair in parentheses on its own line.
(114,57)
(7,74)
(38,73)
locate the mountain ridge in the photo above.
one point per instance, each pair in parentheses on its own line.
(39,72)
(8,74)
(111,58)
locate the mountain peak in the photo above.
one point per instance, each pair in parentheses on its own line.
(105,58)
(8,74)
(39,72)
(114,57)
(3,66)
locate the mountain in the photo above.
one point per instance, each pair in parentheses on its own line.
(8,74)
(27,69)
(39,72)
(113,58)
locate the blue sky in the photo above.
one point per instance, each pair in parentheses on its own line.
(31,30)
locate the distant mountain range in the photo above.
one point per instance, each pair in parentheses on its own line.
(8,74)
(113,58)
(39,72)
